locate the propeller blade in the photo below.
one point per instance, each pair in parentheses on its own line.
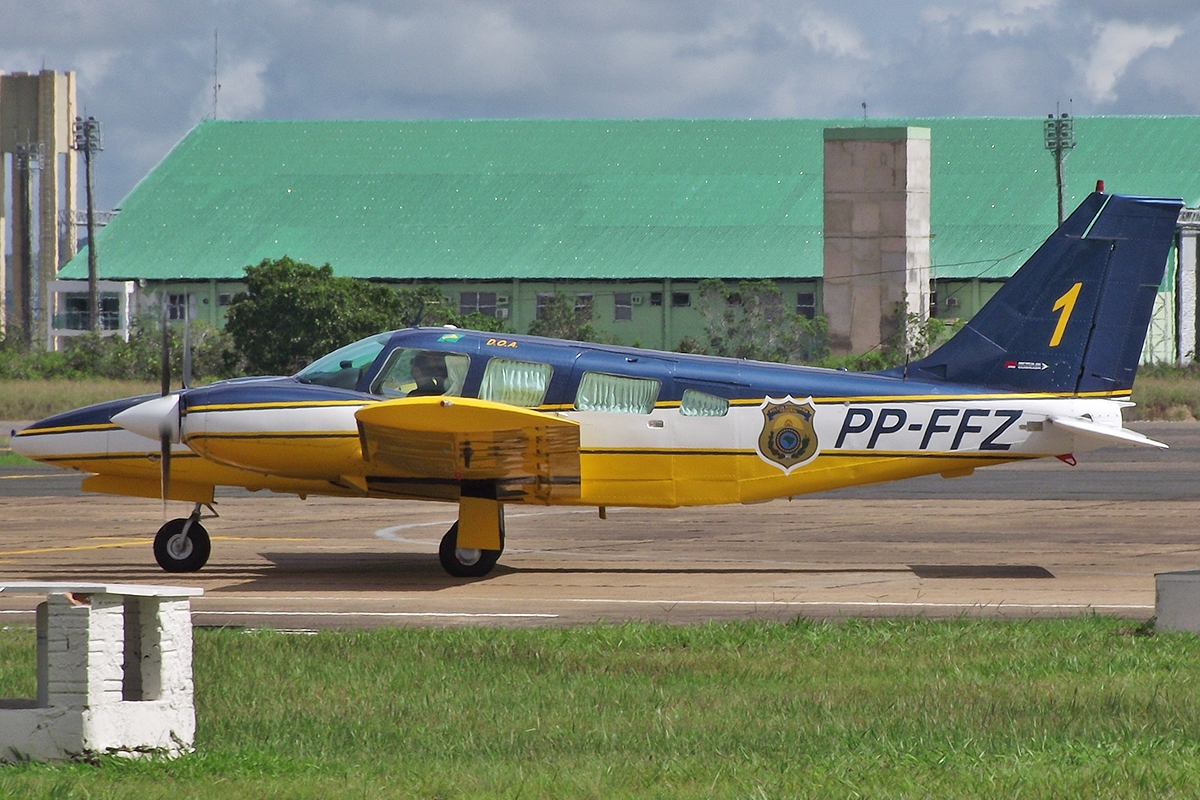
(165,363)
(165,464)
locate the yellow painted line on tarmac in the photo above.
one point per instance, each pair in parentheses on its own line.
(75,548)
(260,539)
(138,543)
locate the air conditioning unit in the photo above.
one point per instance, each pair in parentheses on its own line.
(635,299)
(952,302)
(501,313)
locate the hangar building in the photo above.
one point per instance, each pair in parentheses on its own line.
(627,215)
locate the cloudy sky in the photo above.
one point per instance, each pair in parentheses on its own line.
(145,67)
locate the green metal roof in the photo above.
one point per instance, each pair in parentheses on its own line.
(596,199)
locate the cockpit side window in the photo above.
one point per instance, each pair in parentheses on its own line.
(410,372)
(344,367)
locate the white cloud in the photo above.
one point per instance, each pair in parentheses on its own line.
(243,90)
(1118,45)
(145,66)
(830,35)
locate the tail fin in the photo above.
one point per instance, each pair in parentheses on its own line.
(1073,318)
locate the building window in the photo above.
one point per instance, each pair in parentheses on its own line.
(806,304)
(622,305)
(681,299)
(583,305)
(543,299)
(75,315)
(224,298)
(656,298)
(482,302)
(177,306)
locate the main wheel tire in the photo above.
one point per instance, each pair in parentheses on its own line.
(180,547)
(464,562)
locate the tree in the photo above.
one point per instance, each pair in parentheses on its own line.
(752,320)
(293,312)
(561,317)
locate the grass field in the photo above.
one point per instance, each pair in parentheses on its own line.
(41,398)
(1074,708)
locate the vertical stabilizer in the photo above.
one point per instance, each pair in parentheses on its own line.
(1073,318)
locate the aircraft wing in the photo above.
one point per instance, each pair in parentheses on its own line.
(1102,433)
(527,454)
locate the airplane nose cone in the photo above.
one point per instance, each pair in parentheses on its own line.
(153,418)
(20,445)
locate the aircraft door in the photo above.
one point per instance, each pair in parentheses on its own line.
(622,404)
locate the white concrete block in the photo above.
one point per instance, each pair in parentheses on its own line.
(106,683)
(1177,601)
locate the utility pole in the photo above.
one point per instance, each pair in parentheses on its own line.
(89,140)
(1059,131)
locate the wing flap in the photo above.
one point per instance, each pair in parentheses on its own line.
(529,455)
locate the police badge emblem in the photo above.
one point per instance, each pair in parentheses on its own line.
(788,438)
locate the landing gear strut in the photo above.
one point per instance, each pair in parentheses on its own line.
(182,545)
(483,522)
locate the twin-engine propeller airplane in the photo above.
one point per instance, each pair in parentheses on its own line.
(485,421)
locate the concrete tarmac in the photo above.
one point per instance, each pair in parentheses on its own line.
(1012,541)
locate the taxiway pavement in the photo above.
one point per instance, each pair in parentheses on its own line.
(1022,540)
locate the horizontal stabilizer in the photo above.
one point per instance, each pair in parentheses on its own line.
(1084,427)
(526,454)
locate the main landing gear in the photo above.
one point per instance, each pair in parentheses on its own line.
(473,553)
(182,545)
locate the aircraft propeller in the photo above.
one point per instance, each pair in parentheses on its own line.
(164,438)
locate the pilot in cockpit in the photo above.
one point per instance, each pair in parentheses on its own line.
(429,373)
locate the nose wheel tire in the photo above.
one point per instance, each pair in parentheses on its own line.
(182,545)
(465,562)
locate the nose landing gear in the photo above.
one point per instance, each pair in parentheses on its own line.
(182,545)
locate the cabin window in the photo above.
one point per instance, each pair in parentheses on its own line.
(344,367)
(702,404)
(517,383)
(622,305)
(422,373)
(617,393)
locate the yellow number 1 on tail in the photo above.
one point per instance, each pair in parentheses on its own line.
(1067,304)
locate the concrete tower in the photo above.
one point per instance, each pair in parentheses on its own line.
(36,117)
(876,234)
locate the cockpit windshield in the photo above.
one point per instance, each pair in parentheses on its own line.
(344,367)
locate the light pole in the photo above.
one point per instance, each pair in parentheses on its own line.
(89,139)
(1060,135)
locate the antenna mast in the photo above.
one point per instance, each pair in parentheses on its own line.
(216,84)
